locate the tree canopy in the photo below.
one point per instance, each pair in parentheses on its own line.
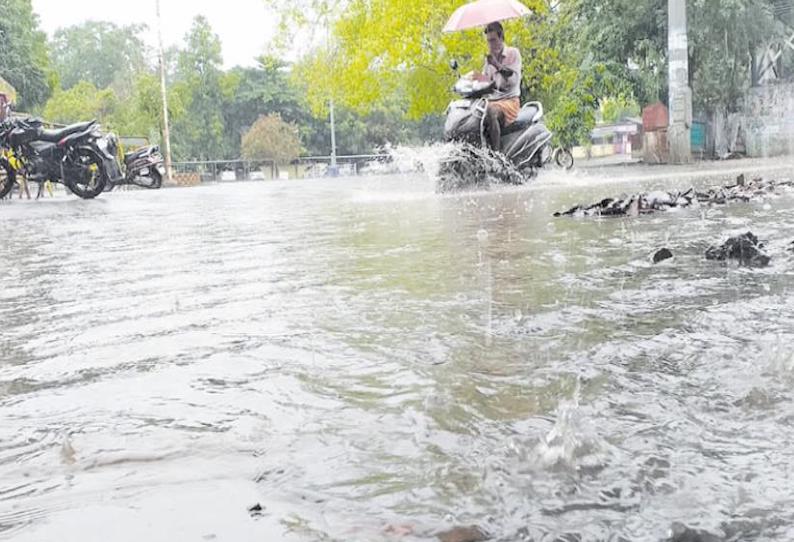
(270,138)
(98,52)
(385,65)
(24,59)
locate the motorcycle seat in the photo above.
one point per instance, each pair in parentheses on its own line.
(54,136)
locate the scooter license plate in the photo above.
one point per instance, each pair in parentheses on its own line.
(144,171)
(161,169)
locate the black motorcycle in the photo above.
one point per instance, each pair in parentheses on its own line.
(78,156)
(143,167)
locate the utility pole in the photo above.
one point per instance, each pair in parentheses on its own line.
(334,169)
(678,133)
(166,130)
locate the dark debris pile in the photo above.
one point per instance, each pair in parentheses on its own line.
(649,202)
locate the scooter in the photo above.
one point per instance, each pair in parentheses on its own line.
(525,143)
(143,167)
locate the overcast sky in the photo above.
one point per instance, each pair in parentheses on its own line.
(244,26)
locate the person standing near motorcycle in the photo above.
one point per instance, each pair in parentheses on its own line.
(503,68)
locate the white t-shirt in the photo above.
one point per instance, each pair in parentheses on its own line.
(506,87)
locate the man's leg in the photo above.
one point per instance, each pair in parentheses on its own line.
(494,118)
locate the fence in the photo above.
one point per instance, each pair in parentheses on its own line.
(197,172)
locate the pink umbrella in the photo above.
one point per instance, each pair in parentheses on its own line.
(482,12)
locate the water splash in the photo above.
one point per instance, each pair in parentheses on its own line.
(460,166)
(570,443)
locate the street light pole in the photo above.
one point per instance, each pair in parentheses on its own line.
(333,141)
(166,130)
(334,171)
(678,133)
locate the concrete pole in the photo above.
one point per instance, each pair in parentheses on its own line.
(334,169)
(166,130)
(678,133)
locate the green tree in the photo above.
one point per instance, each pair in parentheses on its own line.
(138,115)
(616,108)
(24,60)
(393,51)
(724,37)
(631,34)
(82,102)
(270,138)
(199,134)
(147,106)
(574,114)
(250,93)
(263,89)
(99,52)
(387,48)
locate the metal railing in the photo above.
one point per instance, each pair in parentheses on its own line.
(305,167)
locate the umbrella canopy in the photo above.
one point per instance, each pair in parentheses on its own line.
(483,12)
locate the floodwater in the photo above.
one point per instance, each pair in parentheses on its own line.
(366,360)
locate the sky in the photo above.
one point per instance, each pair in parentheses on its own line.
(245,27)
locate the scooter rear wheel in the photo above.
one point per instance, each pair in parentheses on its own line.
(157,179)
(563,158)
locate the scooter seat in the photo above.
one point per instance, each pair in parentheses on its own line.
(523,120)
(141,153)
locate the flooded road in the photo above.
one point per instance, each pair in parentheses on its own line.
(368,361)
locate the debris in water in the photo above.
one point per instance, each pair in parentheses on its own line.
(256,510)
(399,530)
(681,533)
(67,451)
(464,534)
(745,248)
(649,202)
(662,255)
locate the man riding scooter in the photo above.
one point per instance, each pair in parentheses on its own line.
(502,68)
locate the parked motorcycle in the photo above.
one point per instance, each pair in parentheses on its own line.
(77,156)
(143,167)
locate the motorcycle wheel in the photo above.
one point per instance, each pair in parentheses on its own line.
(93,176)
(564,158)
(151,182)
(8,176)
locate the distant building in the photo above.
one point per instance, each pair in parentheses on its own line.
(622,136)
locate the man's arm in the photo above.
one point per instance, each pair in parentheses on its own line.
(512,64)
